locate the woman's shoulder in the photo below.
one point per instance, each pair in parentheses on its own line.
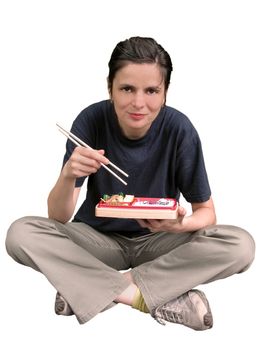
(96,107)
(93,113)
(176,119)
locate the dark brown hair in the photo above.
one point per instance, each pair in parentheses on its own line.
(139,50)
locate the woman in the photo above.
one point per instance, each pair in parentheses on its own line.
(152,265)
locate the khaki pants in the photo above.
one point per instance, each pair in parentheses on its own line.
(83,264)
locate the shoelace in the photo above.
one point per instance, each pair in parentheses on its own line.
(167,315)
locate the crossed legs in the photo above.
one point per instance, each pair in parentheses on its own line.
(83,264)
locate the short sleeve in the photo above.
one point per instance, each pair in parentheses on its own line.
(191,175)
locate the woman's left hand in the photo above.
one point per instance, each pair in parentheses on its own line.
(166,225)
(203,214)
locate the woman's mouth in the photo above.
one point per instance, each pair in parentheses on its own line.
(136,116)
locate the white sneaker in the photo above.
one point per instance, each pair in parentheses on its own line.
(191,309)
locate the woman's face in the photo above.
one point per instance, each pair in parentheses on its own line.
(138,93)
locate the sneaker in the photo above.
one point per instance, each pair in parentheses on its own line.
(191,309)
(62,307)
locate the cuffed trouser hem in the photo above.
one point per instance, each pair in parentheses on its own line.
(105,304)
(146,293)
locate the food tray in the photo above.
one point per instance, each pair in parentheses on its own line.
(139,208)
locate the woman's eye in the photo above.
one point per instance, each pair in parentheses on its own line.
(152,91)
(127,89)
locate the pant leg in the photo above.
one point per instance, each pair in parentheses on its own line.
(80,262)
(170,264)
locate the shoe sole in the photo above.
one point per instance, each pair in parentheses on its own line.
(207,320)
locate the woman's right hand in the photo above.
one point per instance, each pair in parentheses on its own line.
(84,162)
(64,195)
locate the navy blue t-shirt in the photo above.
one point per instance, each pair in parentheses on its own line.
(167,161)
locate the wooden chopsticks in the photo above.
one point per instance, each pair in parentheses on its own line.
(78,142)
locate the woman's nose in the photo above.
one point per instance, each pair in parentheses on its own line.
(138,100)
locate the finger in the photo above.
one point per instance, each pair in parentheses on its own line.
(93,154)
(155,222)
(181,211)
(83,162)
(142,222)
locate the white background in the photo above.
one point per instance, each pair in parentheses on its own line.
(54,57)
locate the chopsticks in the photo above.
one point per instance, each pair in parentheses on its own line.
(78,142)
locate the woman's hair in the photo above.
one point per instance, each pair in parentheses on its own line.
(139,50)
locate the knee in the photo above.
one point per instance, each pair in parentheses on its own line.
(241,246)
(18,235)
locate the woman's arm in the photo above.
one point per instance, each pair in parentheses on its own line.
(62,199)
(203,214)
